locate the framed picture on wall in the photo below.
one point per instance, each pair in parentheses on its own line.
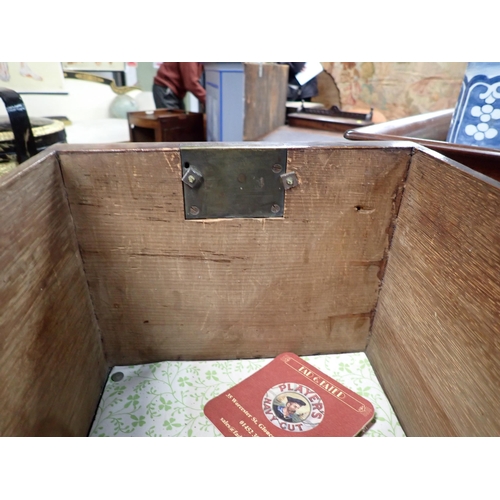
(32,77)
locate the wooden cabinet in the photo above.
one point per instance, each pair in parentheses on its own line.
(166,125)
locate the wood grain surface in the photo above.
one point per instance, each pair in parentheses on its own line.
(435,344)
(266,86)
(52,366)
(169,288)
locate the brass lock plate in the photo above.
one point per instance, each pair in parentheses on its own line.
(233,182)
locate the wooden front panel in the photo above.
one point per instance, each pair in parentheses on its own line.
(266,86)
(436,336)
(169,288)
(52,366)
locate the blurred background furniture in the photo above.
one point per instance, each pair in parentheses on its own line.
(256,108)
(166,125)
(431,129)
(244,100)
(332,119)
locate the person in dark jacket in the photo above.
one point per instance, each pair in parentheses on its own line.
(297,92)
(173,80)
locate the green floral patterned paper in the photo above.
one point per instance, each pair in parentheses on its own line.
(167,399)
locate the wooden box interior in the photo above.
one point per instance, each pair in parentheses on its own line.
(385,248)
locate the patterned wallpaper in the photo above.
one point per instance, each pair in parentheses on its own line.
(397,89)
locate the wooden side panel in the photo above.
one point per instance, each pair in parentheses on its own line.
(52,366)
(436,335)
(169,288)
(265,99)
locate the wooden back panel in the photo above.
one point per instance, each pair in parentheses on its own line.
(169,288)
(435,344)
(52,366)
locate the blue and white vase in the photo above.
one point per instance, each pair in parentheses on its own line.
(476,119)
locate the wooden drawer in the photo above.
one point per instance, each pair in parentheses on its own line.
(384,248)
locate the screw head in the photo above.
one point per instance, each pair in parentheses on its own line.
(194,210)
(116,377)
(191,179)
(275,208)
(277,168)
(289,181)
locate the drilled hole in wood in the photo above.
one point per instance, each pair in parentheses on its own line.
(364,210)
